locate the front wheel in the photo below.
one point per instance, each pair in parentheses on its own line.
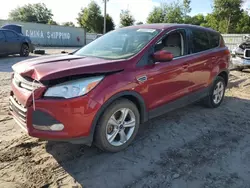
(24,52)
(118,126)
(216,93)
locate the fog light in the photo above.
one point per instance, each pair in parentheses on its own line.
(54,127)
(57,127)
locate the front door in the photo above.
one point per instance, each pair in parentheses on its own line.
(168,81)
(3,49)
(13,43)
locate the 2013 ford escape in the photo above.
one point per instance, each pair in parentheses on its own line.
(105,90)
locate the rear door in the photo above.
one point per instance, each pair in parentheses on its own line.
(200,68)
(3,49)
(13,42)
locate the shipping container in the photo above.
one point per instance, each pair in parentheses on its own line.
(51,35)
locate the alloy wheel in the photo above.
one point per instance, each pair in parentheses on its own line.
(120,127)
(218,92)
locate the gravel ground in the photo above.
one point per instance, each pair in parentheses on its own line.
(188,148)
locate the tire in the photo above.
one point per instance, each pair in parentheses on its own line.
(209,101)
(107,127)
(24,52)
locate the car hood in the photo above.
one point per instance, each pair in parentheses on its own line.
(58,66)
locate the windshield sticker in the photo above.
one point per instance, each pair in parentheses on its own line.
(146,30)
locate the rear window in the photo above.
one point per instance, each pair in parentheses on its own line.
(1,35)
(10,34)
(214,39)
(200,41)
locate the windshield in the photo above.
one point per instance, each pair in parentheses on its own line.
(119,44)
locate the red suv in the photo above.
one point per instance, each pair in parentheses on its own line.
(105,90)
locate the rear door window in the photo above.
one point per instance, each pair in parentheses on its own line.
(10,34)
(214,39)
(200,40)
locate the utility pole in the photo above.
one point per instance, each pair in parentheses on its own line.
(105,10)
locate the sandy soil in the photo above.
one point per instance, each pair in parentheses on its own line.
(191,147)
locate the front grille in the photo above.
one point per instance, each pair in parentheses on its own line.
(19,111)
(26,83)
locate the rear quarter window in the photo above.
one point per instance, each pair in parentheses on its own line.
(200,40)
(214,39)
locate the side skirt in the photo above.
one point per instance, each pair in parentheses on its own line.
(183,101)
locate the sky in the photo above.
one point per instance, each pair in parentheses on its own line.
(68,10)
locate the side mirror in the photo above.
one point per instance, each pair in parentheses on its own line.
(162,56)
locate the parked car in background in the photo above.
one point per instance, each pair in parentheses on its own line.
(241,54)
(103,92)
(12,42)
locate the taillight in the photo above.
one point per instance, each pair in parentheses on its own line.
(227,52)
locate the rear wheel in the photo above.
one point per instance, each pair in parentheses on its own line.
(118,126)
(216,93)
(24,52)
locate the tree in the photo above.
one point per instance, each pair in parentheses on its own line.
(139,23)
(110,25)
(167,13)
(156,16)
(186,9)
(126,19)
(52,22)
(38,13)
(211,22)
(198,19)
(228,13)
(90,18)
(173,13)
(243,25)
(69,24)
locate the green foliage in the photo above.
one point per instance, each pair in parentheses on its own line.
(186,10)
(109,23)
(156,16)
(92,20)
(228,13)
(52,22)
(227,16)
(243,25)
(173,13)
(211,22)
(167,13)
(126,19)
(38,13)
(69,24)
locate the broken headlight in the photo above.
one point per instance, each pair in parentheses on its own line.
(73,88)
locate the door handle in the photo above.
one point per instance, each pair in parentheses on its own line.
(185,66)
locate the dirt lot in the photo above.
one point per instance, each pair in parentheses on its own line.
(188,148)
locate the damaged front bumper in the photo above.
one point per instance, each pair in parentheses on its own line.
(53,119)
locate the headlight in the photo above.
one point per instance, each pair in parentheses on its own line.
(73,88)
